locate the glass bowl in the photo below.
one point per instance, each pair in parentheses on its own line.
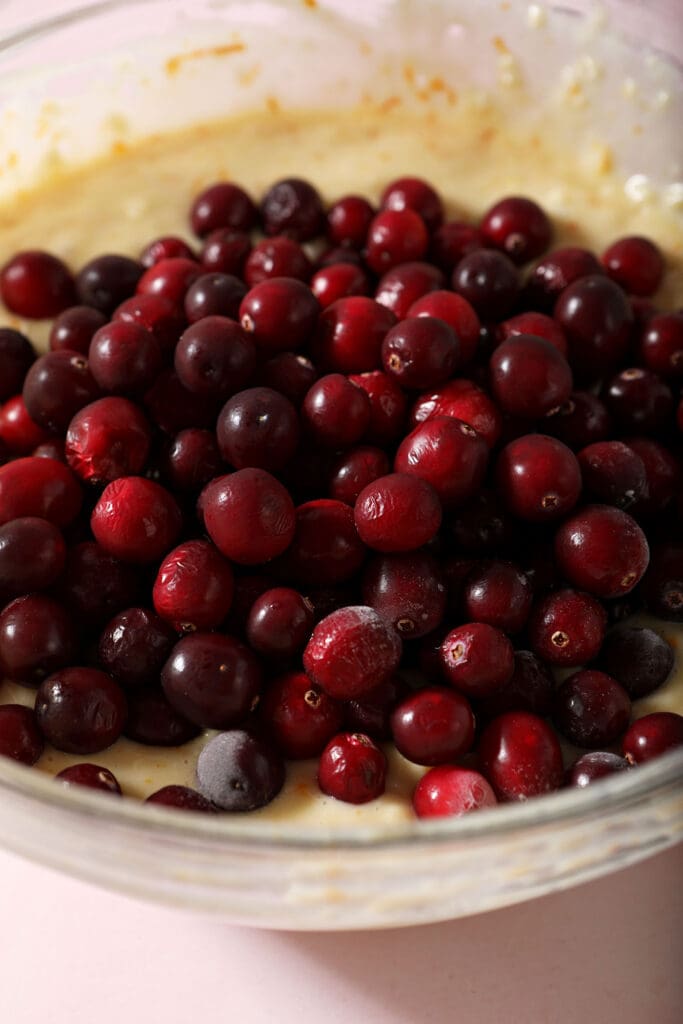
(91,74)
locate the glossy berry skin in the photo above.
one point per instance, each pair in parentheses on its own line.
(276,257)
(134,646)
(352,768)
(635,263)
(222,205)
(80,710)
(37,636)
(354,470)
(92,776)
(351,651)
(582,420)
(395,236)
(449,792)
(32,555)
(397,512)
(433,726)
(539,478)
(169,279)
(338,281)
(16,357)
(95,585)
(661,345)
(212,680)
(453,240)
(258,428)
(477,659)
(663,473)
(531,688)
(36,285)
(567,627)
(602,550)
(136,520)
(335,411)
(153,722)
(597,764)
(517,226)
(639,401)
(499,594)
(214,357)
(348,220)
(420,352)
(529,377)
(591,709)
(163,248)
(194,586)
(372,713)
(537,324)
(301,718)
(56,387)
(107,281)
(597,320)
(349,335)
(279,623)
(109,438)
(20,737)
(488,280)
(294,208)
(325,549)
(226,251)
(556,271)
(160,316)
(249,516)
(213,294)
(414,194)
(124,358)
(652,736)
(462,400)
(637,657)
(192,459)
(74,329)
(613,473)
(457,312)
(447,453)
(182,798)
(407,591)
(400,288)
(39,487)
(387,406)
(239,771)
(520,756)
(290,374)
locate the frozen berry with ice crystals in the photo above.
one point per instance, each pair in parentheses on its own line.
(433,726)
(20,737)
(193,587)
(477,659)
(529,377)
(602,550)
(107,439)
(136,520)
(567,627)
(447,453)
(520,756)
(351,651)
(133,647)
(397,512)
(293,207)
(447,791)
(518,226)
(352,768)
(300,717)
(80,710)
(249,516)
(36,285)
(637,657)
(239,771)
(538,477)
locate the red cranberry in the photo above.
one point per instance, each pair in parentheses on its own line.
(489,282)
(80,710)
(124,358)
(32,555)
(258,428)
(635,263)
(276,257)
(154,723)
(182,798)
(457,313)
(453,240)
(226,251)
(214,294)
(398,512)
(597,764)
(301,718)
(652,736)
(421,352)
(663,474)
(215,357)
(92,776)
(539,478)
(597,320)
(290,374)
(529,377)
(351,651)
(352,768)
(354,470)
(407,591)
(247,589)
(37,636)
(350,335)
(193,459)
(39,487)
(661,345)
(239,771)
(387,406)
(372,713)
(602,550)
(402,286)
(582,420)
(56,387)
(556,271)
(294,208)
(107,439)
(462,400)
(446,792)
(173,408)
(165,248)
(36,285)
(518,226)
(612,473)
(51,449)
(20,737)
(567,627)
(348,221)
(538,324)
(338,281)
(531,689)
(335,411)
(279,623)
(520,756)
(134,646)
(395,236)
(158,315)
(448,454)
(326,549)
(638,658)
(193,587)
(663,583)
(249,516)
(136,520)
(279,314)
(17,430)
(16,357)
(639,401)
(169,279)
(223,205)
(477,659)
(95,585)
(212,679)
(498,594)
(74,328)
(414,194)
(107,281)
(433,726)
(591,709)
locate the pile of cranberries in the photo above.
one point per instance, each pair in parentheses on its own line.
(332,478)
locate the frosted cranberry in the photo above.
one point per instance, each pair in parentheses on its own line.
(597,764)
(477,659)
(421,352)
(462,400)
(223,205)
(249,516)
(212,679)
(591,709)
(32,555)
(193,587)
(531,689)
(124,358)
(639,401)
(482,526)
(335,411)
(407,591)
(499,594)
(397,512)
(635,263)
(326,548)
(338,281)
(136,520)
(602,550)
(404,285)
(134,646)
(520,756)
(276,257)
(387,406)
(448,454)
(56,387)
(652,736)
(348,220)
(354,470)
(529,377)
(239,771)
(92,776)
(258,427)
(352,768)
(37,636)
(350,334)
(445,792)
(173,408)
(433,726)
(36,285)
(39,487)
(489,282)
(73,329)
(662,470)
(280,314)
(300,717)
(372,713)
(213,294)
(293,207)
(214,357)
(663,583)
(597,320)
(518,226)
(17,430)
(80,710)
(153,722)
(226,251)
(395,236)
(107,439)
(95,585)
(192,459)
(556,271)
(169,279)
(20,737)
(279,623)
(164,248)
(567,627)
(638,658)
(612,473)
(538,477)
(453,240)
(661,345)
(290,374)
(538,324)
(158,315)
(582,420)
(107,281)
(183,798)
(351,651)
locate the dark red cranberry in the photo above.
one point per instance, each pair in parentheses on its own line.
(223,205)
(661,345)
(652,736)
(448,454)
(433,726)
(169,279)
(591,709)
(20,737)
(372,713)
(193,587)
(134,646)
(225,251)
(582,420)
(531,689)
(482,526)
(301,718)
(280,623)
(107,439)
(597,764)
(635,263)
(420,352)
(462,400)
(457,313)
(638,658)
(290,374)
(95,585)
(214,294)
(387,406)
(249,516)
(351,651)
(92,776)
(663,583)
(395,236)
(173,408)
(539,478)
(520,756)
(518,226)
(136,520)
(350,335)
(17,430)
(663,473)
(407,591)
(183,798)
(348,221)
(16,357)
(280,314)
(639,401)
(352,768)
(453,240)
(153,722)
(397,512)
(158,315)
(556,271)
(489,281)
(597,321)
(39,487)
(529,377)
(477,659)
(602,550)
(214,357)
(56,387)
(258,428)
(338,281)
(37,636)
(192,459)
(239,771)
(32,555)
(294,208)
(51,449)
(277,257)
(449,792)
(335,411)
(567,627)
(74,328)
(165,248)
(326,549)
(414,194)
(212,679)
(107,281)
(538,324)
(402,286)
(339,254)
(612,473)
(124,358)
(354,470)
(80,710)
(499,594)
(36,285)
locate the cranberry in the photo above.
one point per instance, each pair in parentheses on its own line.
(226,251)
(372,713)
(326,549)
(39,487)
(153,722)
(446,792)
(498,594)
(17,430)
(279,623)
(638,658)
(652,736)
(169,279)
(635,263)
(212,679)
(280,314)
(223,205)
(518,226)
(348,221)
(556,271)
(183,798)
(124,358)
(421,352)
(37,636)
(335,411)
(239,771)
(387,406)
(92,776)
(489,282)
(663,474)
(193,587)
(136,520)
(395,236)
(20,737)
(457,313)
(249,516)
(414,194)
(539,478)
(51,449)
(258,428)
(591,709)
(407,591)
(567,627)
(402,286)
(520,756)
(56,387)
(433,726)
(165,248)
(108,439)
(16,357)
(448,454)
(352,768)
(582,420)
(354,470)
(602,550)
(337,282)
(597,320)
(663,583)
(350,335)
(32,555)
(95,585)
(214,294)
(290,374)
(597,764)
(107,281)
(74,328)
(462,400)
(80,710)
(215,357)
(160,316)
(192,459)
(300,717)
(538,324)
(661,345)
(529,377)
(477,659)
(613,473)
(173,408)
(482,526)
(351,651)
(36,285)
(531,689)
(293,207)
(639,401)
(134,646)
(453,240)
(398,512)
(276,257)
